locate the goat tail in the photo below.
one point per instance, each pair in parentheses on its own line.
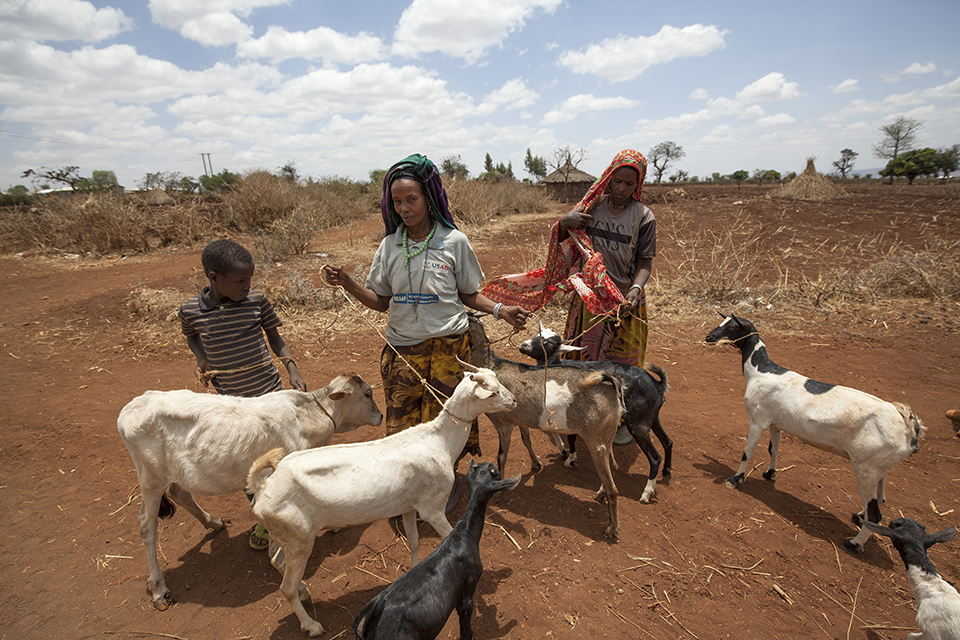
(658,371)
(365,626)
(914,424)
(259,469)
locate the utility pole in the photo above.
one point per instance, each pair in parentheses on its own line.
(207,161)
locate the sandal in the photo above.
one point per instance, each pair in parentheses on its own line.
(259,538)
(622,438)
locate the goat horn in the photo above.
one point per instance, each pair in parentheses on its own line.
(737,320)
(467,366)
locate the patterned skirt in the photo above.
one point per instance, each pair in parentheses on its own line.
(409,402)
(625,342)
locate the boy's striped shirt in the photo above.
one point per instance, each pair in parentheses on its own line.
(232,337)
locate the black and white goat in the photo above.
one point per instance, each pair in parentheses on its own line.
(643,395)
(416,606)
(938,603)
(874,434)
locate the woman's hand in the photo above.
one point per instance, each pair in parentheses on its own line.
(335,275)
(515,316)
(632,301)
(573,220)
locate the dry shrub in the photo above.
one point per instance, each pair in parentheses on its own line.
(155,305)
(711,264)
(932,274)
(101,223)
(285,215)
(475,202)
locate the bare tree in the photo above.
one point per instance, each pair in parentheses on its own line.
(662,155)
(898,136)
(845,164)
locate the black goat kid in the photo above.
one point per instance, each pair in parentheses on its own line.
(416,606)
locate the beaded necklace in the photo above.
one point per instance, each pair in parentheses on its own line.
(406,245)
(406,262)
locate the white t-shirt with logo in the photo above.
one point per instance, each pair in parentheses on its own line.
(425,294)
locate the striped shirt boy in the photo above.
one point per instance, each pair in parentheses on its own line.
(232,337)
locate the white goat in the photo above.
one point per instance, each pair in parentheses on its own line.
(874,434)
(938,603)
(185,443)
(307,492)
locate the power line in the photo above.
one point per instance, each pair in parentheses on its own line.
(54,140)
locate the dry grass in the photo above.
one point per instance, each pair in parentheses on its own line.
(475,202)
(810,185)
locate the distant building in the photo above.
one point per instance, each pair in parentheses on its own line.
(568,184)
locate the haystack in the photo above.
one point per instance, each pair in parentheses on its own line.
(157,197)
(810,185)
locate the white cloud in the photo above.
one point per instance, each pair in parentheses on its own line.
(216,29)
(60,20)
(623,58)
(699,94)
(846,86)
(462,28)
(771,87)
(211,22)
(779,120)
(278,44)
(914,69)
(174,13)
(514,94)
(583,103)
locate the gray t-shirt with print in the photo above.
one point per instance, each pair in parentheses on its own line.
(622,238)
(424,293)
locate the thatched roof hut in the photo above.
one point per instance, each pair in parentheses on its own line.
(568,184)
(810,185)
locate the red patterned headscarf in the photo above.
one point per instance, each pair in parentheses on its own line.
(626,158)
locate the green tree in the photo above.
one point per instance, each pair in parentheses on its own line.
(898,136)
(739,176)
(662,155)
(948,160)
(771,175)
(535,166)
(845,164)
(15,195)
(911,164)
(680,176)
(219,181)
(376,178)
(453,168)
(488,164)
(290,172)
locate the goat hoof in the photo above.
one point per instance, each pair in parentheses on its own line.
(857,519)
(163,602)
(769,474)
(315,629)
(729,484)
(850,545)
(218,525)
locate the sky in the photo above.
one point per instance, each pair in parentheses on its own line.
(344,88)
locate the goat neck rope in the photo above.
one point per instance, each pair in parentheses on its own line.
(324,409)
(457,419)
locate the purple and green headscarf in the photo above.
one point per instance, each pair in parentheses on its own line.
(420,169)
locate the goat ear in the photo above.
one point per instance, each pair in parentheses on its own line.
(946,535)
(721,315)
(566,348)
(879,528)
(739,324)
(467,366)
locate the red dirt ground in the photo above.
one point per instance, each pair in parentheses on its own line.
(701,561)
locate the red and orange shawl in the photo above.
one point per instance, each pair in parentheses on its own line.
(572,265)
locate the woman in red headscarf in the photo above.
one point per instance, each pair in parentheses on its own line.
(624,231)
